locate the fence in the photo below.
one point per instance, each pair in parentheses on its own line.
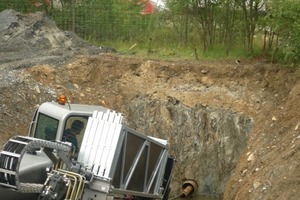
(92,19)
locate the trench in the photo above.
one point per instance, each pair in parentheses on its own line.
(205,141)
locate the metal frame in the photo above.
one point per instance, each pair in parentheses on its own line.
(152,177)
(134,163)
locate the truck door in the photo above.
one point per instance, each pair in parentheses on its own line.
(74,130)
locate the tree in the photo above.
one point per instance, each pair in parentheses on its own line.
(180,18)
(204,13)
(227,21)
(250,10)
(284,18)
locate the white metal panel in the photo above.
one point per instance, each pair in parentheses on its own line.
(109,148)
(87,141)
(100,142)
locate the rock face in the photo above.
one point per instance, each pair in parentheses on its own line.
(206,142)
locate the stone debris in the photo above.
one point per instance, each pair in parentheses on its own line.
(31,39)
(250,157)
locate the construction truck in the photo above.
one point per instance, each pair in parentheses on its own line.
(108,160)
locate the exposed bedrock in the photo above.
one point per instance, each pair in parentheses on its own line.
(205,141)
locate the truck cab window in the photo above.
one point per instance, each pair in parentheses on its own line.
(46,127)
(74,131)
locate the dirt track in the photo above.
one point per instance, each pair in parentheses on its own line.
(267,169)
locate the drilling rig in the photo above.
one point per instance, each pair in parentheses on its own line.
(113,161)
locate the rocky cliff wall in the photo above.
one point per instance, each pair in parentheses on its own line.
(205,141)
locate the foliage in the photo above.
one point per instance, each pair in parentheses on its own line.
(195,28)
(284,18)
(18,5)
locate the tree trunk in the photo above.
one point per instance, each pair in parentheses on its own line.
(73,16)
(250,10)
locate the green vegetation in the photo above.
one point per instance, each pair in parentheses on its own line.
(189,29)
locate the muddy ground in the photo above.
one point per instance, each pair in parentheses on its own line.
(38,61)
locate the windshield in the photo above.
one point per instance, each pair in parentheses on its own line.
(46,127)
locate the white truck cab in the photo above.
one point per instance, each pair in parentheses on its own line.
(51,119)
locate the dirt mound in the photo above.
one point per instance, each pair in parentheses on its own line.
(32,39)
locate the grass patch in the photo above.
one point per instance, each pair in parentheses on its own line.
(173,51)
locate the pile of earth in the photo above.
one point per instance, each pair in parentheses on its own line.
(38,62)
(31,39)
